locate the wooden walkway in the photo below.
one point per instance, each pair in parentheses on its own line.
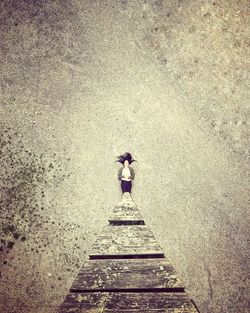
(127,271)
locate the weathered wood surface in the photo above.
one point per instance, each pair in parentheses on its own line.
(84,303)
(126,241)
(118,278)
(126,196)
(150,303)
(124,214)
(117,302)
(125,275)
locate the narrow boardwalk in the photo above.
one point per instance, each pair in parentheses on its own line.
(127,271)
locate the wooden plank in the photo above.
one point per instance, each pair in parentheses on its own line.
(84,302)
(127,196)
(126,212)
(126,242)
(150,303)
(126,200)
(126,215)
(118,302)
(128,275)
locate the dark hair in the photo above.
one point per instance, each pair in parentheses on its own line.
(125,156)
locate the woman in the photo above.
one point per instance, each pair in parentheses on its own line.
(126,173)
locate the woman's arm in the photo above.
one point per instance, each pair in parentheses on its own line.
(120,174)
(132,172)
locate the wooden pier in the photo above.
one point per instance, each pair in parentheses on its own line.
(127,271)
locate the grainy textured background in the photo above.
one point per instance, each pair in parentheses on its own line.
(83,81)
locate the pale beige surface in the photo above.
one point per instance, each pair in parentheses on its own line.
(84,81)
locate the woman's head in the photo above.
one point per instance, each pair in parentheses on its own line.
(126,163)
(125,158)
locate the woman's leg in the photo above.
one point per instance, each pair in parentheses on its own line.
(130,186)
(123,185)
(126,186)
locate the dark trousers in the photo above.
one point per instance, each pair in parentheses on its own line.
(126,185)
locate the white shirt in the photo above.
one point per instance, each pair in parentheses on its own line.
(126,172)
